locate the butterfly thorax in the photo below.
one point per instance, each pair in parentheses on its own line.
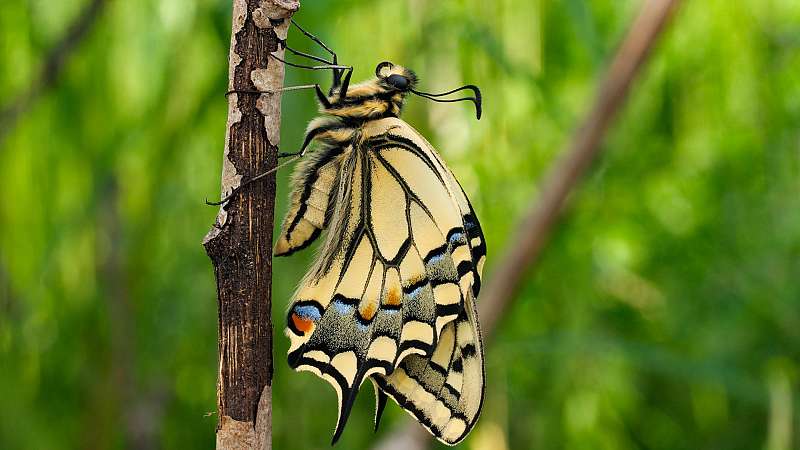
(378,98)
(364,102)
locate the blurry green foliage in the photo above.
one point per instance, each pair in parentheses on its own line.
(665,311)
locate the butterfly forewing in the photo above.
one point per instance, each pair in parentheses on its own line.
(390,295)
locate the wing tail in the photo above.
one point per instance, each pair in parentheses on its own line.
(444,393)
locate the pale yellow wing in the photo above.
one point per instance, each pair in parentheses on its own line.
(394,271)
(443,392)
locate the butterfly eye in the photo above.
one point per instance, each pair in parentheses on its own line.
(381,66)
(398,81)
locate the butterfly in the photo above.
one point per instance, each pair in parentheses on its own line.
(391,294)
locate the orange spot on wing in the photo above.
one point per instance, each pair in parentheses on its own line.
(393,296)
(369,309)
(304,325)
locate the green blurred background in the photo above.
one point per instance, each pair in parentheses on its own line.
(664,312)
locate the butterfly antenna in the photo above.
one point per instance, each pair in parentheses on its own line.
(475,99)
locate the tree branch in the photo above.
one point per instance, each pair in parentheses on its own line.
(240,242)
(53,64)
(534,228)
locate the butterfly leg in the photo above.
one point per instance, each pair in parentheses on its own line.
(320,67)
(345,83)
(337,70)
(314,38)
(320,95)
(313,133)
(310,136)
(309,56)
(244,184)
(337,73)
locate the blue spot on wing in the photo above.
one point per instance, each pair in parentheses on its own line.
(456,238)
(307,312)
(343,308)
(435,258)
(415,292)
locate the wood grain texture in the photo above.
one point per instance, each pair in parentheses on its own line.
(240,241)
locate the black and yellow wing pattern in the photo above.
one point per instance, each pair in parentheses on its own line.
(391,295)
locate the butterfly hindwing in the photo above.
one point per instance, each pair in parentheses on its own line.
(393,276)
(444,393)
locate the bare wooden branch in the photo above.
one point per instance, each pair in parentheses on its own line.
(240,242)
(534,228)
(52,65)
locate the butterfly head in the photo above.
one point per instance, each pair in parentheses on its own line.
(384,95)
(395,79)
(401,80)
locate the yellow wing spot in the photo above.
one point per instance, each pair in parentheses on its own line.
(392,291)
(455,429)
(370,299)
(383,348)
(416,330)
(346,364)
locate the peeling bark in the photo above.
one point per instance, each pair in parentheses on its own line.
(240,242)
